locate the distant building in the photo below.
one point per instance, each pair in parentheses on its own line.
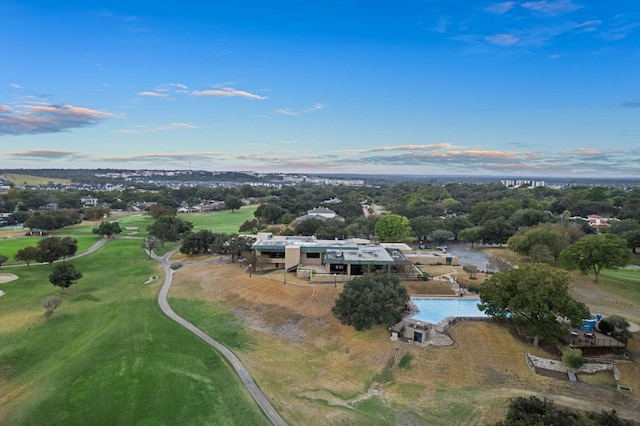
(89,201)
(513,183)
(321,213)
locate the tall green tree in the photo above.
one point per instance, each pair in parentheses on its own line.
(232,203)
(69,247)
(3,260)
(108,229)
(471,235)
(593,253)
(27,255)
(50,249)
(535,295)
(64,275)
(393,227)
(371,299)
(197,242)
(534,242)
(169,228)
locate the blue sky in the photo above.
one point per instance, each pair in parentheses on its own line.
(518,88)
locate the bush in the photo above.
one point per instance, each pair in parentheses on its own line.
(573,358)
(50,304)
(425,276)
(176,265)
(405,361)
(473,289)
(605,326)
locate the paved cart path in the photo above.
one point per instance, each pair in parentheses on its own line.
(237,365)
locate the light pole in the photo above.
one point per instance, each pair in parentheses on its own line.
(250,270)
(285,275)
(335,280)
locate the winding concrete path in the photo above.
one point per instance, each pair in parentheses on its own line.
(237,365)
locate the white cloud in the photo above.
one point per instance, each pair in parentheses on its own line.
(503,39)
(551,7)
(500,8)
(227,92)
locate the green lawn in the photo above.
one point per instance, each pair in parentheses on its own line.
(108,355)
(623,282)
(224,221)
(10,246)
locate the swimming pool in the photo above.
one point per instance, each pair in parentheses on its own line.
(435,310)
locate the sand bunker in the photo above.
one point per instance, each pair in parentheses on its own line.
(5,278)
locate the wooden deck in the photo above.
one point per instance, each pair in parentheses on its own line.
(591,339)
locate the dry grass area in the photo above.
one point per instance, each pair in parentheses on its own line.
(317,371)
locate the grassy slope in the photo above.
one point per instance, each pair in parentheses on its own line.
(9,247)
(109,354)
(18,179)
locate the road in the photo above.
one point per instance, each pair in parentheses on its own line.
(237,365)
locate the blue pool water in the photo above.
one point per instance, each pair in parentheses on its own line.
(435,310)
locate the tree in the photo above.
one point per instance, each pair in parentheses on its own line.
(64,275)
(157,210)
(3,260)
(441,236)
(533,242)
(150,243)
(27,255)
(232,203)
(169,228)
(197,242)
(371,299)
(230,244)
(107,229)
(496,231)
(593,253)
(50,249)
(95,213)
(393,227)
(308,226)
(250,226)
(616,326)
(472,270)
(536,295)
(471,235)
(69,247)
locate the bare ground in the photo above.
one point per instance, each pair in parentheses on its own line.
(317,371)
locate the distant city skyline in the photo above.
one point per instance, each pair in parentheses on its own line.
(513,88)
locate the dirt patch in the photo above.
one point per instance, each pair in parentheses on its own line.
(6,277)
(308,363)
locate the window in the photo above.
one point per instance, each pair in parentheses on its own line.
(313,255)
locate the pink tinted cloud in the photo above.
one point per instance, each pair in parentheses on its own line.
(47,118)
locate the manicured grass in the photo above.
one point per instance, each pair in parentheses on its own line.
(19,179)
(108,355)
(10,246)
(224,221)
(623,282)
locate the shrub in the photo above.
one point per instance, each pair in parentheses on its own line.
(605,326)
(405,361)
(176,265)
(425,276)
(473,289)
(50,304)
(573,358)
